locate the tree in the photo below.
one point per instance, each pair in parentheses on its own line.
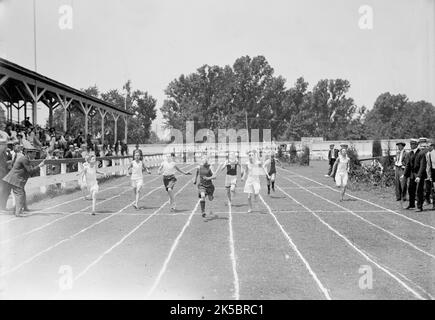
(394,116)
(223,97)
(384,119)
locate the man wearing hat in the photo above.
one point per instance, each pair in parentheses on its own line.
(409,172)
(399,169)
(17,178)
(420,170)
(430,161)
(332,156)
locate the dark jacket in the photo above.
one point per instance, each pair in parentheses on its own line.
(4,167)
(330,154)
(420,165)
(20,172)
(409,164)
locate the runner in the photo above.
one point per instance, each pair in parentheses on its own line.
(205,186)
(342,167)
(252,171)
(136,168)
(270,167)
(168,169)
(230,165)
(88,177)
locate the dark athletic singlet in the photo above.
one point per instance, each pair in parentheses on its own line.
(232,169)
(205,171)
(272,166)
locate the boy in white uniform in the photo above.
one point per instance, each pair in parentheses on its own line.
(168,168)
(89,177)
(342,168)
(135,168)
(252,171)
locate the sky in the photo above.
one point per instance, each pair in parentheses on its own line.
(152,42)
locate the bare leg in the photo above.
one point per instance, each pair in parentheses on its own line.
(229,194)
(171,199)
(94,201)
(250,202)
(202,203)
(137,193)
(342,193)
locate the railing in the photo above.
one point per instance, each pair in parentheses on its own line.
(109,165)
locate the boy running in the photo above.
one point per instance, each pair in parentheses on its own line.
(230,165)
(270,167)
(89,176)
(342,168)
(168,169)
(252,172)
(136,168)
(205,186)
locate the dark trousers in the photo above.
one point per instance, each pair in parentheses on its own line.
(5,190)
(420,193)
(20,198)
(411,191)
(427,190)
(400,184)
(331,165)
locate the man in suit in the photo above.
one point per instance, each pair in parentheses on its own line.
(409,172)
(430,160)
(420,170)
(332,156)
(18,176)
(399,169)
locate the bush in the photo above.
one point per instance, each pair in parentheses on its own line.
(304,158)
(377,148)
(352,153)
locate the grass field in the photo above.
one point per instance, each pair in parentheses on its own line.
(299,243)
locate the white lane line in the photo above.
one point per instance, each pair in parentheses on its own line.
(367,201)
(171,252)
(120,185)
(402,276)
(68,215)
(368,221)
(69,238)
(295,249)
(415,293)
(60,218)
(233,256)
(2,274)
(93,263)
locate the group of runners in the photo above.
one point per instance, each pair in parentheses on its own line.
(251,171)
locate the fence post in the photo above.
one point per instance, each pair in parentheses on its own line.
(63,171)
(43,173)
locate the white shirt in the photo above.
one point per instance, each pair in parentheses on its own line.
(430,157)
(254,170)
(399,160)
(136,170)
(168,168)
(342,164)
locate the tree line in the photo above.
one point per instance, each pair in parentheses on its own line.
(248,94)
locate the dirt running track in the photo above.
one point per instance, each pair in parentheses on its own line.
(300,243)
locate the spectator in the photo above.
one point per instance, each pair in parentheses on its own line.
(27,123)
(117,147)
(124,148)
